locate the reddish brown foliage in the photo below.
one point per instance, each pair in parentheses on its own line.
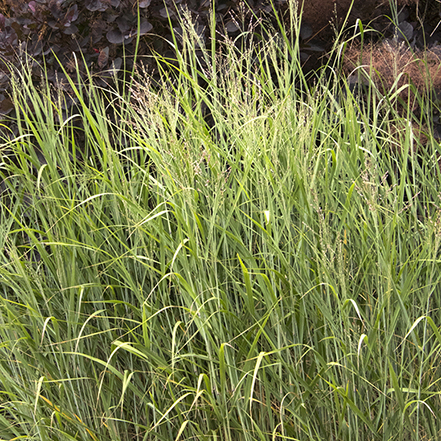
(395,65)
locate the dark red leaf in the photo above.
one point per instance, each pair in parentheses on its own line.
(32,6)
(72,15)
(103,58)
(145,27)
(115,36)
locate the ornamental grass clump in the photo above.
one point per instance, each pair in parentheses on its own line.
(230,256)
(409,79)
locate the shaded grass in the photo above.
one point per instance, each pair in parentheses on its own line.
(271,274)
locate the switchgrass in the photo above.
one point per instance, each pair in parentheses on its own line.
(235,255)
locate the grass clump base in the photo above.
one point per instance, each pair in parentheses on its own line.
(235,256)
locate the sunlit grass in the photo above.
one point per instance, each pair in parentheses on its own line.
(236,256)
